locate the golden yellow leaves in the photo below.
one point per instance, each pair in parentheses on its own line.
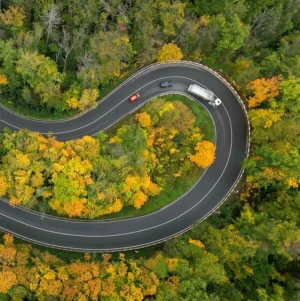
(172,263)
(13,201)
(293,182)
(72,103)
(272,173)
(87,99)
(140,187)
(265,117)
(3,186)
(169,52)
(132,183)
(197,243)
(144,119)
(247,214)
(205,154)
(7,280)
(74,207)
(7,254)
(13,17)
(139,199)
(204,20)
(8,239)
(37,180)
(167,107)
(3,79)
(173,151)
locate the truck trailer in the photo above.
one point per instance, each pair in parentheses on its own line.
(211,98)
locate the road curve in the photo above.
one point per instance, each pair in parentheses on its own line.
(231,125)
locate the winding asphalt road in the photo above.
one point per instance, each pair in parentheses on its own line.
(209,192)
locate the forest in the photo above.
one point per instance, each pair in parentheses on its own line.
(91,177)
(57,58)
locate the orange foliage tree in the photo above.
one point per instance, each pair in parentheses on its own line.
(263,89)
(3,79)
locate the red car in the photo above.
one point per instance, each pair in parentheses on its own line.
(134,97)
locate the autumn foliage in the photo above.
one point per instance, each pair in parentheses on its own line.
(169,52)
(263,89)
(13,16)
(205,154)
(91,177)
(184,268)
(3,79)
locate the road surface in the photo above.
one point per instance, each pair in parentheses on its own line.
(231,126)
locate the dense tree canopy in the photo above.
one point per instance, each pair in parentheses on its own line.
(85,47)
(60,56)
(89,177)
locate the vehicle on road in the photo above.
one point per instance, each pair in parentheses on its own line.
(166,84)
(125,234)
(134,97)
(211,98)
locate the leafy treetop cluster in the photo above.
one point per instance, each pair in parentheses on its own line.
(233,260)
(250,250)
(79,48)
(90,177)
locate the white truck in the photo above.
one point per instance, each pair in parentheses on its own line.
(211,98)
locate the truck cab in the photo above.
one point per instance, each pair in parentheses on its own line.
(214,103)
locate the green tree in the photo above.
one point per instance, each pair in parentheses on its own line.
(290,90)
(233,33)
(8,57)
(114,52)
(42,77)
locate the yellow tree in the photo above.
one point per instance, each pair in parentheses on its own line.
(88,99)
(7,280)
(169,52)
(139,199)
(3,79)
(205,154)
(13,17)
(3,186)
(144,119)
(264,118)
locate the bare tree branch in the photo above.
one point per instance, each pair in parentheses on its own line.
(259,24)
(86,59)
(51,21)
(65,46)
